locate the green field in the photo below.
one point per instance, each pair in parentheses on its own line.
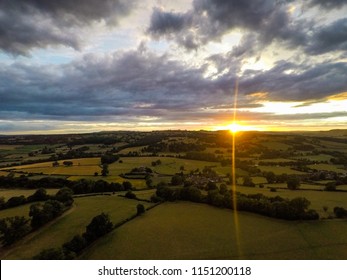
(168,166)
(278,170)
(195,231)
(8,193)
(64,228)
(328,167)
(84,166)
(22,210)
(318,199)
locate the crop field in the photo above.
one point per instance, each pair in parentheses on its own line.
(203,232)
(74,223)
(85,166)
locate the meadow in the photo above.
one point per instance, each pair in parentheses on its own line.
(75,222)
(203,232)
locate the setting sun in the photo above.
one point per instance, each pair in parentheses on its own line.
(235,127)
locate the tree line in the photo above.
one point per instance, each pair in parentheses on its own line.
(276,207)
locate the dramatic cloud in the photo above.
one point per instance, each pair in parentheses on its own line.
(329,38)
(189,56)
(210,20)
(25,25)
(329,4)
(290,82)
(133,83)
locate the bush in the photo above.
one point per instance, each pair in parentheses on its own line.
(99,226)
(50,254)
(16,201)
(293,183)
(76,244)
(13,229)
(140,209)
(330,187)
(130,195)
(340,212)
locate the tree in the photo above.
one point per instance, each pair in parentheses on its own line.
(2,202)
(223,189)
(50,254)
(211,186)
(104,171)
(149,182)
(39,195)
(99,226)
(140,209)
(68,163)
(248,182)
(331,187)
(15,201)
(76,244)
(191,193)
(109,158)
(340,212)
(43,213)
(293,183)
(127,185)
(130,195)
(64,195)
(13,229)
(176,180)
(270,177)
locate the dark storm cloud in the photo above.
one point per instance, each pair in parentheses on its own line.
(133,85)
(265,21)
(208,20)
(25,25)
(165,22)
(329,4)
(329,38)
(291,82)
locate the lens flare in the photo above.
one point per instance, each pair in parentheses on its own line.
(234,129)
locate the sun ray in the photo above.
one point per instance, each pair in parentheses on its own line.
(234,196)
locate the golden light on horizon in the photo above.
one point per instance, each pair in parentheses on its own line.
(234,127)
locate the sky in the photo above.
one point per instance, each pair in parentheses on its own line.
(86,65)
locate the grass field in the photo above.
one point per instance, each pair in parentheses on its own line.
(22,210)
(199,231)
(318,199)
(8,193)
(84,166)
(328,167)
(75,222)
(278,170)
(168,166)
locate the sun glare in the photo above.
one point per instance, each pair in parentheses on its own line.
(234,127)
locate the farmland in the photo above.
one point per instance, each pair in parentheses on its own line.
(100,170)
(74,223)
(202,232)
